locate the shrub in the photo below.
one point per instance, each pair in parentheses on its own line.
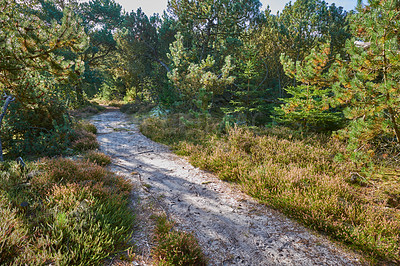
(89,109)
(74,213)
(98,158)
(177,127)
(137,107)
(86,126)
(39,129)
(85,144)
(176,248)
(83,140)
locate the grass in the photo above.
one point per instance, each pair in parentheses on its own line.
(175,247)
(137,107)
(64,212)
(306,177)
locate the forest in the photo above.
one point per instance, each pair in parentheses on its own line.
(299,108)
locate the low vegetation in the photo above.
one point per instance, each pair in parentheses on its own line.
(62,212)
(174,247)
(97,158)
(309,178)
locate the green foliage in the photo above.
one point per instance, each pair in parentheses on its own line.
(142,64)
(309,23)
(213,27)
(311,105)
(70,213)
(30,47)
(251,100)
(35,71)
(369,80)
(175,248)
(40,129)
(197,80)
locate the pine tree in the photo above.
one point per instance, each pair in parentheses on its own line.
(369,82)
(31,63)
(311,105)
(197,81)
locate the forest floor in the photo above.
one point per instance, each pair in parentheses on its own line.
(231,227)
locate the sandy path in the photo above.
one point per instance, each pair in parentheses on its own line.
(231,227)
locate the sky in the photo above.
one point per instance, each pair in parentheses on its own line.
(158,6)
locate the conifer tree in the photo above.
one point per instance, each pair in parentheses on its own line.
(30,63)
(369,82)
(311,105)
(197,82)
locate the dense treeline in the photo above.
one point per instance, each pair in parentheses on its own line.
(308,66)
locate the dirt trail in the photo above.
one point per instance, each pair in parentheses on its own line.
(232,228)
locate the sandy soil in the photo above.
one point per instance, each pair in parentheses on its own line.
(232,228)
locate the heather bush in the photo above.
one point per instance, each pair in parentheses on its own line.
(177,127)
(85,144)
(89,109)
(13,235)
(98,158)
(174,247)
(309,178)
(86,126)
(137,107)
(63,212)
(83,137)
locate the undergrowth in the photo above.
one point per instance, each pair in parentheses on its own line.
(97,158)
(175,247)
(62,212)
(309,178)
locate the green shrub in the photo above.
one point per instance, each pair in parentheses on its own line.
(98,158)
(86,126)
(39,129)
(176,248)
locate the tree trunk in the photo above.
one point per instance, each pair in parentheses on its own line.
(8,99)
